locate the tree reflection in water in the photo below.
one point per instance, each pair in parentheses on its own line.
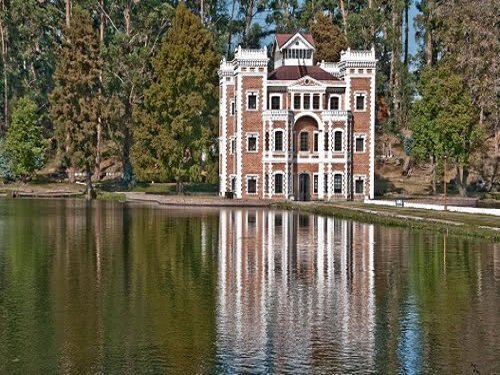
(106,287)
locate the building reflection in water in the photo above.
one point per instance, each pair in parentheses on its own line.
(295,292)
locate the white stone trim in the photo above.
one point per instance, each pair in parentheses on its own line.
(251,135)
(273,179)
(340,102)
(357,94)
(239,139)
(354,179)
(343,145)
(372,136)
(337,173)
(223,141)
(271,96)
(248,93)
(247,178)
(359,135)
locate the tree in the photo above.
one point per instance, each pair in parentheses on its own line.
(444,121)
(134,32)
(330,41)
(177,126)
(24,142)
(75,104)
(5,164)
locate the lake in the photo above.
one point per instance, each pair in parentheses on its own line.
(106,287)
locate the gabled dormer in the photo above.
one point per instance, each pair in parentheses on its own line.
(293,50)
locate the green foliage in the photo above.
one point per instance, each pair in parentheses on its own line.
(330,40)
(75,101)
(24,142)
(5,164)
(176,130)
(444,121)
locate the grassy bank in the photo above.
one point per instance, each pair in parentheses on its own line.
(484,226)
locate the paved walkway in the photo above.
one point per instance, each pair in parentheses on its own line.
(201,201)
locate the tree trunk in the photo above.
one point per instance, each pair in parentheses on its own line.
(127,177)
(248,22)
(97,170)
(89,193)
(229,40)
(344,14)
(395,77)
(5,74)
(372,26)
(126,18)
(428,34)
(407,32)
(179,187)
(462,177)
(433,175)
(202,11)
(68,13)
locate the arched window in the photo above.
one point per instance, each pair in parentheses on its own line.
(337,142)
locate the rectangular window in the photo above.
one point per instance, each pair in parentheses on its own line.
(232,108)
(266,183)
(252,143)
(296,101)
(252,101)
(232,145)
(307,102)
(304,141)
(278,141)
(315,184)
(360,144)
(325,181)
(337,184)
(233,183)
(360,103)
(359,186)
(315,101)
(252,185)
(278,184)
(334,103)
(275,102)
(337,146)
(316,141)
(326,141)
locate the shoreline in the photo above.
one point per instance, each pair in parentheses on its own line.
(461,224)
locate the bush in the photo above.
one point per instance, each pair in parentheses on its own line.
(5,165)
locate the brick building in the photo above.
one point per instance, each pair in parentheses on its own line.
(303,131)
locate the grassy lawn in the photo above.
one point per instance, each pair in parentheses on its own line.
(457,223)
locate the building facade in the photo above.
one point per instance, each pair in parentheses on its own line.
(303,131)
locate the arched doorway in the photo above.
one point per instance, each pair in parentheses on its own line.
(306,161)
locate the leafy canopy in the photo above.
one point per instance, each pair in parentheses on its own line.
(24,142)
(444,121)
(177,127)
(75,102)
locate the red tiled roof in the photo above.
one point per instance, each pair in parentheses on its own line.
(293,73)
(282,39)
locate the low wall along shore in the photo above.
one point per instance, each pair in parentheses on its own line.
(437,207)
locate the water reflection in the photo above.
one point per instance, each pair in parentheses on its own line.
(108,287)
(295,292)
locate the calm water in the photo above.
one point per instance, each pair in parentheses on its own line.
(112,288)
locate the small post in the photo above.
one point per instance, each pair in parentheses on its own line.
(445,190)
